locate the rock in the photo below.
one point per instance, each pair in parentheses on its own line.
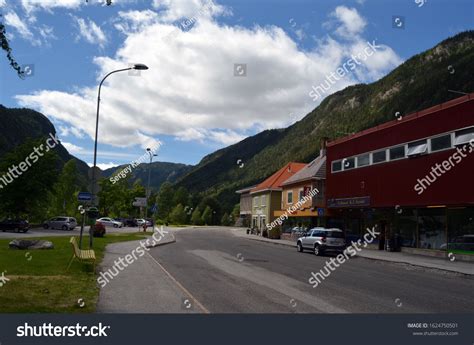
(30,244)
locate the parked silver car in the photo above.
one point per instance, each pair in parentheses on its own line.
(110,222)
(63,223)
(141,222)
(320,240)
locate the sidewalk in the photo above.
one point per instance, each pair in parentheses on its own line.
(406,258)
(142,287)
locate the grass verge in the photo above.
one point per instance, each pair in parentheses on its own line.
(39,282)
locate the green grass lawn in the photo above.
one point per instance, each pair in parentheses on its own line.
(39,282)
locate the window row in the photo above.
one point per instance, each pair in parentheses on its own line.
(413,149)
(259,201)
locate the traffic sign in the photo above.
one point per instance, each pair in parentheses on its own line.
(139,202)
(84,196)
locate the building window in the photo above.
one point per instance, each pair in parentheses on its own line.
(264,200)
(349,163)
(289,197)
(255,201)
(406,225)
(397,152)
(301,195)
(336,166)
(363,160)
(432,228)
(461,230)
(441,143)
(417,148)
(379,156)
(463,136)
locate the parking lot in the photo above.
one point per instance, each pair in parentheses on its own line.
(40,232)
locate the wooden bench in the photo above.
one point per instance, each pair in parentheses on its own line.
(80,254)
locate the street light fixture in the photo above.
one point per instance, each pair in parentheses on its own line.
(138,66)
(149,174)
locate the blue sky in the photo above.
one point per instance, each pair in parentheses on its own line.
(190,100)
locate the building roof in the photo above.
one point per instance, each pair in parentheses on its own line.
(245,190)
(406,118)
(314,170)
(274,182)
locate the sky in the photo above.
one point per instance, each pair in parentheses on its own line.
(219,71)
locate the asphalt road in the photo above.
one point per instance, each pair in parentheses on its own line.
(229,274)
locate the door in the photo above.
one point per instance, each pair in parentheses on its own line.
(383,234)
(306,241)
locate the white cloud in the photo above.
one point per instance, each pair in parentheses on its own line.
(71,148)
(12,19)
(190,91)
(351,23)
(90,31)
(178,9)
(133,21)
(2,3)
(67,131)
(31,5)
(104,166)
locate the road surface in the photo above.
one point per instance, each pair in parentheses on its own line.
(229,274)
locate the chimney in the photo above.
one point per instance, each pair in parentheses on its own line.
(322,146)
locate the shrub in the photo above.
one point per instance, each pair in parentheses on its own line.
(98,230)
(274,233)
(196,217)
(178,215)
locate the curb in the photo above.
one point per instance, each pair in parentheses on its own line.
(278,243)
(162,243)
(417,265)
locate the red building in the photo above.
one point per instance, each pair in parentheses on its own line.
(413,177)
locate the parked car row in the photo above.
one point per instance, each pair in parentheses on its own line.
(70,223)
(321,240)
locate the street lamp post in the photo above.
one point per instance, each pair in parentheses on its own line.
(148,185)
(94,168)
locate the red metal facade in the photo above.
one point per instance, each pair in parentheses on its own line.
(392,183)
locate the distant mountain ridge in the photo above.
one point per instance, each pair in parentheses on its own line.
(20,124)
(160,172)
(420,82)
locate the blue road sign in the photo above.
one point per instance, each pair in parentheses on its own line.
(320,212)
(84,196)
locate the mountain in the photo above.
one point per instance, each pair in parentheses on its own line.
(420,82)
(160,172)
(19,124)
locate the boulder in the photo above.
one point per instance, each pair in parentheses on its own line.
(30,244)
